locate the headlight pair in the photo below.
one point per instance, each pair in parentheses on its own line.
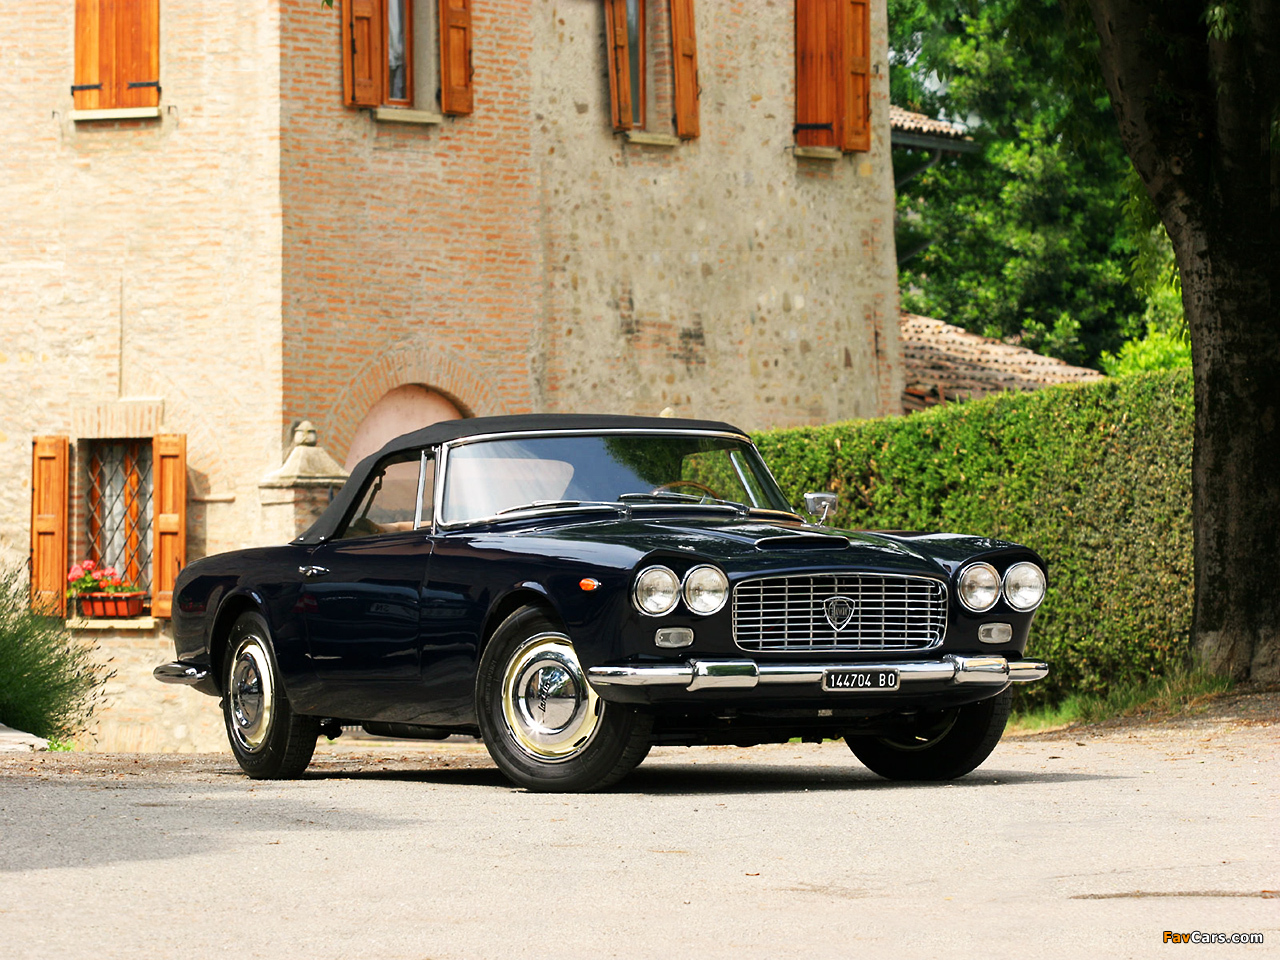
(657,590)
(980,586)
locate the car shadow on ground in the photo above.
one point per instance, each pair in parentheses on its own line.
(676,778)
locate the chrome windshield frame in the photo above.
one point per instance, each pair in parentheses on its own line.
(442,468)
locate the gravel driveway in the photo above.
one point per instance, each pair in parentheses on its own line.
(1087,842)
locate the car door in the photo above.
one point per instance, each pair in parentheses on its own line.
(362,601)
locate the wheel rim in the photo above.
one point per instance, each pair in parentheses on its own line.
(550,710)
(252,694)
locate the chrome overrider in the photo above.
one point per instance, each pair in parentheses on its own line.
(697,675)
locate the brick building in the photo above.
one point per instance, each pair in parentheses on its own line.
(222,220)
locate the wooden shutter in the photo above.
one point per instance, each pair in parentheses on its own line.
(817,72)
(93,78)
(49,509)
(363,63)
(456,97)
(137,51)
(615,28)
(169,518)
(684,50)
(855,89)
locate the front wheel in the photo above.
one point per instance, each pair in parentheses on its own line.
(944,746)
(269,740)
(542,722)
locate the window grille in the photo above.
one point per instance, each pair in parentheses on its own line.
(119,508)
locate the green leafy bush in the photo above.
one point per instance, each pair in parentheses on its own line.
(48,682)
(1095,477)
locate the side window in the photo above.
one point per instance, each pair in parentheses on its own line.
(389,503)
(407,53)
(653,66)
(117,54)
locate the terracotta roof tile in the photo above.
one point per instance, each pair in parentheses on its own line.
(944,362)
(900,119)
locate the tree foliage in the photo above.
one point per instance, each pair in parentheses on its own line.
(1038,236)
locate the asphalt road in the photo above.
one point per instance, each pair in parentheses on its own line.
(1086,844)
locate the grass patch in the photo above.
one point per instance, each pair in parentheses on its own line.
(1180,692)
(49,684)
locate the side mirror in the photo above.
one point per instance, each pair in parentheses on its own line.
(820,505)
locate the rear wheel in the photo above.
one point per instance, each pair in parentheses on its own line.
(542,722)
(269,740)
(943,746)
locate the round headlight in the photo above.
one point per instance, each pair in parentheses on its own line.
(979,587)
(705,589)
(656,591)
(1024,586)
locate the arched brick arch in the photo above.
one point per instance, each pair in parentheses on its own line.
(437,367)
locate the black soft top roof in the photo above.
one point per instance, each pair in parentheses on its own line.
(448,430)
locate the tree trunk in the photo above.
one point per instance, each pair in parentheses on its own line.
(1196,115)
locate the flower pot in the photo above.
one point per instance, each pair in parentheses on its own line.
(115,605)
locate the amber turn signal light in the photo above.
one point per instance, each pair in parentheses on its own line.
(588,583)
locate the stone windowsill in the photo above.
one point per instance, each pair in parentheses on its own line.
(652,139)
(405,115)
(119,113)
(102,623)
(819,153)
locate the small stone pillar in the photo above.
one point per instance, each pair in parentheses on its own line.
(296,494)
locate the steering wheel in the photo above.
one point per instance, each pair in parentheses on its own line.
(666,487)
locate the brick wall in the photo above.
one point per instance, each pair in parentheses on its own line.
(411,253)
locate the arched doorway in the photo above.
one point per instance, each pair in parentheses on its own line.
(405,408)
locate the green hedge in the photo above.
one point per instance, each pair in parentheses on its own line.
(1096,477)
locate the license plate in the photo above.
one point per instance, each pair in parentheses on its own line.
(856,679)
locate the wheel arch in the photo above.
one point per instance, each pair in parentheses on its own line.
(232,606)
(521,596)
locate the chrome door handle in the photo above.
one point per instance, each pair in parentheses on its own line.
(313,571)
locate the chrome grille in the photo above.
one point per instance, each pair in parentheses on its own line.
(889,613)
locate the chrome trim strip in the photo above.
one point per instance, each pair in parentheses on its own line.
(179,672)
(697,675)
(422,480)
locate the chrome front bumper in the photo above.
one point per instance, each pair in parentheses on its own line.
(697,675)
(180,672)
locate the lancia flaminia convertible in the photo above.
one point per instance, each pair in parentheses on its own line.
(575,589)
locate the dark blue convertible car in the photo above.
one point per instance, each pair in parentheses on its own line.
(575,589)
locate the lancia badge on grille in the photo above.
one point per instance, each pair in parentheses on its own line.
(839,611)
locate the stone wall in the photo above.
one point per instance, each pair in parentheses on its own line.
(140,259)
(724,277)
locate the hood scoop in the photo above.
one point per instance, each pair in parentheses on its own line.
(803,541)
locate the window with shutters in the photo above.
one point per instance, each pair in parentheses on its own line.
(128,511)
(652,56)
(117,54)
(409,54)
(833,81)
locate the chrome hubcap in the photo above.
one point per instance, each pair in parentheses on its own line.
(252,695)
(550,709)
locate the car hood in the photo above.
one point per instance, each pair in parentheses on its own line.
(751,545)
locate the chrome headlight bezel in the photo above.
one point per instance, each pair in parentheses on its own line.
(995,585)
(720,594)
(1023,566)
(657,570)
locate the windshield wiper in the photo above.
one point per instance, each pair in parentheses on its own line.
(666,496)
(553,504)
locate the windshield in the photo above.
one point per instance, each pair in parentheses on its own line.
(499,476)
